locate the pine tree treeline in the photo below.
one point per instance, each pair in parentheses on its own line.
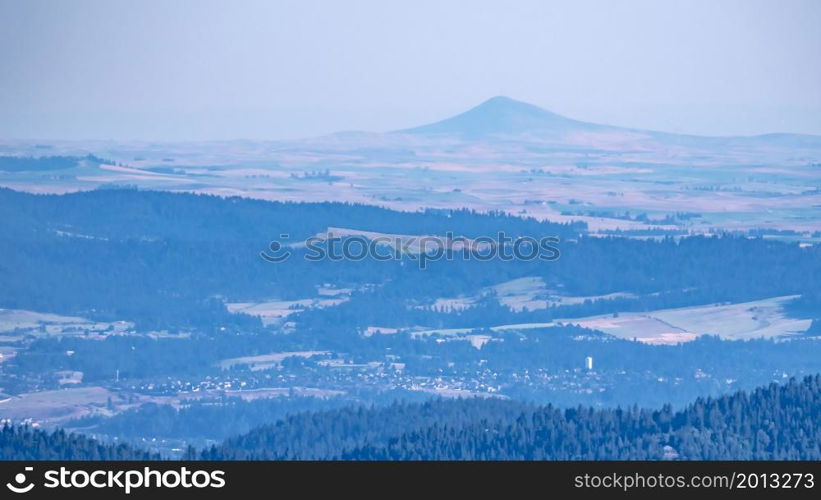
(26,443)
(777,422)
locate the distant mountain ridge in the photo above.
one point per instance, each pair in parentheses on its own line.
(502,116)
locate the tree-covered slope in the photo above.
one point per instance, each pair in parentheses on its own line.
(26,443)
(776,422)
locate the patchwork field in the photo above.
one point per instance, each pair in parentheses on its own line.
(528,293)
(274,311)
(56,406)
(17,322)
(747,320)
(267,361)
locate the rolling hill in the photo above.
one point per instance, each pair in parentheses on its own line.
(503,117)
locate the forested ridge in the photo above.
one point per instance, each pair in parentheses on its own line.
(27,443)
(776,422)
(183,255)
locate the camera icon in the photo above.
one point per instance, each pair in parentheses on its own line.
(20,478)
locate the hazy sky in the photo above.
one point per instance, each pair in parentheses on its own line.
(274,69)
